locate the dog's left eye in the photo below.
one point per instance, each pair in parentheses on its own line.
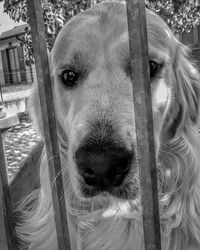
(69,77)
(154,68)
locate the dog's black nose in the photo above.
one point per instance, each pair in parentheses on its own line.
(103,166)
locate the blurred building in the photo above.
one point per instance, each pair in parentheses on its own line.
(13,70)
(192,39)
(16,77)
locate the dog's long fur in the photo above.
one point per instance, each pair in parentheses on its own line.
(95,43)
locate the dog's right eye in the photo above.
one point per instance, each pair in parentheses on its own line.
(154,68)
(69,77)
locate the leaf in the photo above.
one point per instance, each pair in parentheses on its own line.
(60,21)
(17,17)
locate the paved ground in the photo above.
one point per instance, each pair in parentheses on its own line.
(18,143)
(18,95)
(19,140)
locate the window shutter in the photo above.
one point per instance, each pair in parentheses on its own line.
(21,63)
(5,67)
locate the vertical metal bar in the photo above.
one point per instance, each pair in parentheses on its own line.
(6,231)
(136,17)
(1,94)
(49,121)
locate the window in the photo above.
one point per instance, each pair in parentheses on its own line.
(13,65)
(198,36)
(192,38)
(188,38)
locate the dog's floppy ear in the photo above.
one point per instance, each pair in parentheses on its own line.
(184,109)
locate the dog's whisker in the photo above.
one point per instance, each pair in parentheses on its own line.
(51,158)
(57,176)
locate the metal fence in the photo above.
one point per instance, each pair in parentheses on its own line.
(14,77)
(145,139)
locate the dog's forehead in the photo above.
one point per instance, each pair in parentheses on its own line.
(106,25)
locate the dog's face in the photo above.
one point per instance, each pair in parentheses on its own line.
(90,65)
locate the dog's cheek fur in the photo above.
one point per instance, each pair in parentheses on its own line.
(180,154)
(172,120)
(184,109)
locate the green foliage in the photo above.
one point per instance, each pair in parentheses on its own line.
(181,15)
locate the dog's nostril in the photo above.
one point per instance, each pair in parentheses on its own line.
(89,172)
(91,181)
(103,166)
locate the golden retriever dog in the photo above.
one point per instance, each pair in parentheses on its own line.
(90,70)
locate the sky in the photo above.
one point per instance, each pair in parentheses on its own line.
(6,23)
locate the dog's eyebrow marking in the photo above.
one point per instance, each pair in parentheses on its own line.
(122,48)
(159,56)
(77,61)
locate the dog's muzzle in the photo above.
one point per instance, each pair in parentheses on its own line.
(103,165)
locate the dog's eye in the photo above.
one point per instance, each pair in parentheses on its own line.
(69,77)
(154,68)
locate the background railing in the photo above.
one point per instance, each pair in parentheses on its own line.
(13,77)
